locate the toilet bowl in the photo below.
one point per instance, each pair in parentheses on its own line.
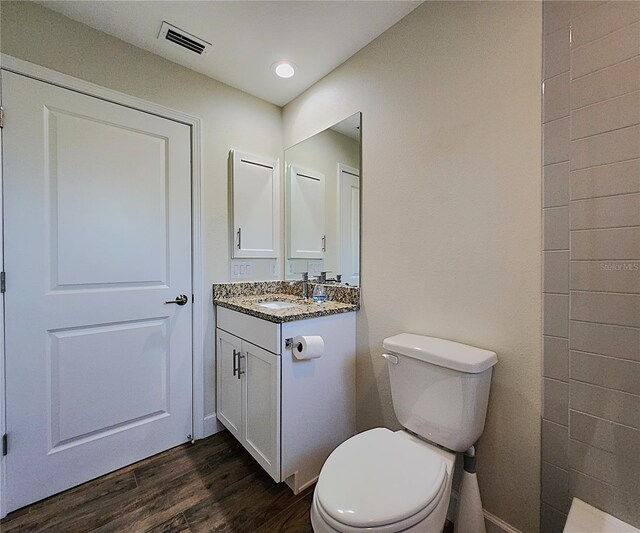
(382,481)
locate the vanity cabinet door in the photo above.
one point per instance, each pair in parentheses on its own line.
(261,379)
(229,394)
(255,209)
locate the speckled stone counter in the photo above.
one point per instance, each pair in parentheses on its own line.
(245,297)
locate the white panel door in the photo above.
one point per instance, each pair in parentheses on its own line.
(256,206)
(229,401)
(97,238)
(261,379)
(349,227)
(306,214)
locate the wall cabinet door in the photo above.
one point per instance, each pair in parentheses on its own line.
(255,206)
(305,214)
(261,414)
(229,382)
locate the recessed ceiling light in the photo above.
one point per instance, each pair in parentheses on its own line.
(284,69)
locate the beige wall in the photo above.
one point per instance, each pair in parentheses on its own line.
(230,118)
(451,181)
(322,153)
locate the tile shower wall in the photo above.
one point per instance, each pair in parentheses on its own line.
(591,201)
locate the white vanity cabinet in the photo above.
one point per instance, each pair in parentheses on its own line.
(289,414)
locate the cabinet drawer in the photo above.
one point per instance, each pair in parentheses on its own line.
(256,331)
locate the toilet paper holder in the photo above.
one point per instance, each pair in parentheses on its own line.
(288,343)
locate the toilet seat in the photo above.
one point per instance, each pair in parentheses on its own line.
(380,481)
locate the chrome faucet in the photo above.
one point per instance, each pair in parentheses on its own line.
(305,285)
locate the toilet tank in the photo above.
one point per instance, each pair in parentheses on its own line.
(440,388)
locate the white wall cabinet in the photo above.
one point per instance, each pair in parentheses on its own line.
(305,214)
(255,206)
(289,414)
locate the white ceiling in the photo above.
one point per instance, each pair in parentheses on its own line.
(248,36)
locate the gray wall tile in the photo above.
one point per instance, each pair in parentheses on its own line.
(607,212)
(555,442)
(555,100)
(555,487)
(611,49)
(621,504)
(613,114)
(556,272)
(605,435)
(610,147)
(606,308)
(609,82)
(615,178)
(551,520)
(556,228)
(621,471)
(606,276)
(580,8)
(556,184)
(606,244)
(619,374)
(604,339)
(555,15)
(556,358)
(609,404)
(603,20)
(555,59)
(556,315)
(556,401)
(556,141)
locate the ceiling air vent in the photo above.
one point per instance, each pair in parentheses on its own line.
(184,39)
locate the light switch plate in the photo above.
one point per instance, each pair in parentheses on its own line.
(273,268)
(240,269)
(314,268)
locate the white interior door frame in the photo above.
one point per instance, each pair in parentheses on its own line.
(44,74)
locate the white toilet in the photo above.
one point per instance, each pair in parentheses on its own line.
(383,481)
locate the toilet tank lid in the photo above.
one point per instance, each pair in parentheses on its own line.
(441,352)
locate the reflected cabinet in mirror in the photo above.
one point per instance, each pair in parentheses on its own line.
(323,205)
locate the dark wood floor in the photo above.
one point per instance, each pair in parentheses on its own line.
(212,485)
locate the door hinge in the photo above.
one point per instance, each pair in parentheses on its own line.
(3,282)
(1,117)
(5,444)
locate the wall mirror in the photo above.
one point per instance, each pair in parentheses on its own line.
(322,198)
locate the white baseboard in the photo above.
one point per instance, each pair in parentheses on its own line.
(497,524)
(212,425)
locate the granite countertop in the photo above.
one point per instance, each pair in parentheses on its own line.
(304,309)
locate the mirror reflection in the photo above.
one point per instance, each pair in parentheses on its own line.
(322,201)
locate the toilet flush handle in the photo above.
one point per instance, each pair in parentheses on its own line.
(393,359)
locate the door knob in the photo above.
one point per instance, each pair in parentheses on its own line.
(180,300)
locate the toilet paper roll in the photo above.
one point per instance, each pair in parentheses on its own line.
(307,346)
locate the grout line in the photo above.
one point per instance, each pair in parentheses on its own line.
(600,102)
(613,357)
(555,336)
(600,261)
(555,466)
(606,35)
(551,78)
(556,380)
(612,130)
(603,68)
(606,292)
(602,324)
(604,387)
(632,126)
(604,196)
(605,229)
(603,164)
(604,420)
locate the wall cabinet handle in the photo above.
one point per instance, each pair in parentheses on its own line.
(239,233)
(324,243)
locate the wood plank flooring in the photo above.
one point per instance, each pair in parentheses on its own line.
(212,485)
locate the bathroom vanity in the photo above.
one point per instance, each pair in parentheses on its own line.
(290,414)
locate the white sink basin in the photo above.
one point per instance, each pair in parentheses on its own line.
(277,304)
